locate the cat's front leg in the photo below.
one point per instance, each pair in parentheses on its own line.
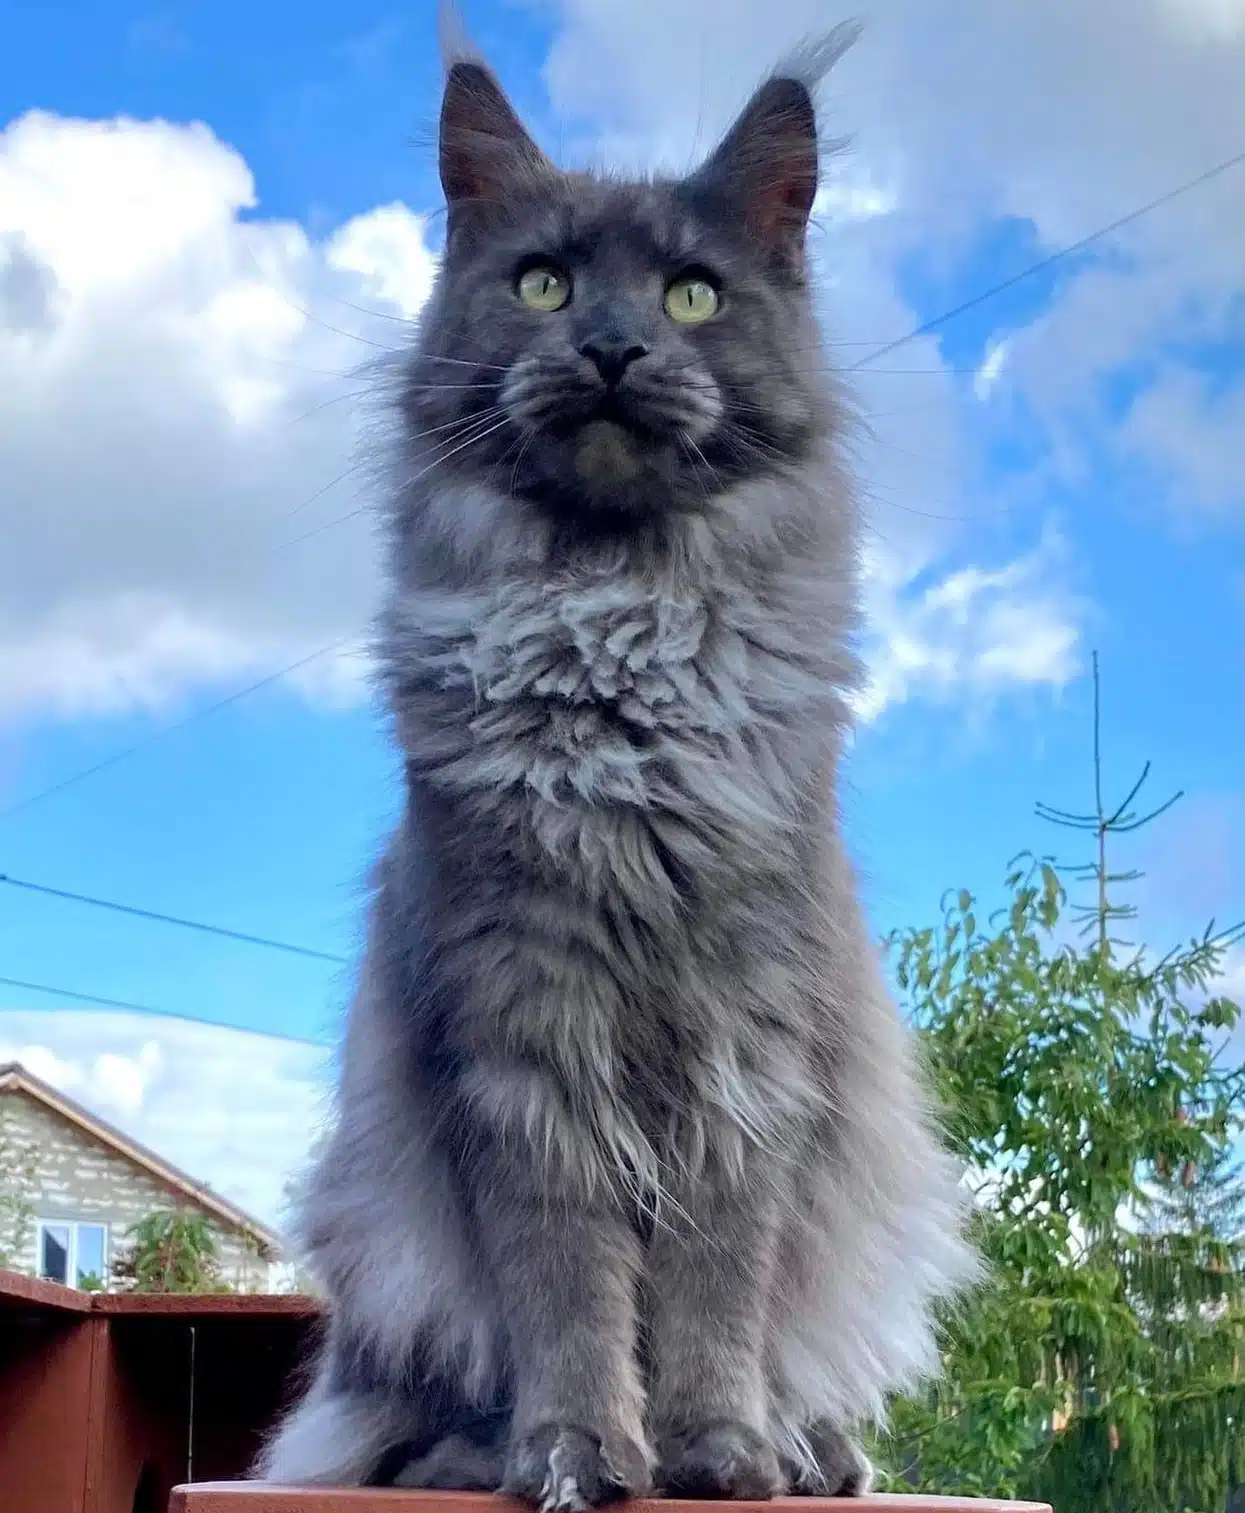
(708,1274)
(565,1267)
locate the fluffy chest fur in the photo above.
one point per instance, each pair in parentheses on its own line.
(617,708)
(642,748)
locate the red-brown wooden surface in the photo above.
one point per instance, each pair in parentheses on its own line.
(46,1364)
(96,1391)
(217,1305)
(109,1401)
(19,1292)
(257,1498)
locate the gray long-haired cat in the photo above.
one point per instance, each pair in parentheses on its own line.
(631,1181)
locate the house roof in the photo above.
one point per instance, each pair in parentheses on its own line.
(14,1078)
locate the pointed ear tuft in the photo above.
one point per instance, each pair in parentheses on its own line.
(484,148)
(766,168)
(452,35)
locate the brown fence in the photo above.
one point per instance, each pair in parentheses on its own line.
(114,1403)
(108,1401)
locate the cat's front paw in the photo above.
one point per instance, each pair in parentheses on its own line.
(562,1468)
(840,1469)
(719,1460)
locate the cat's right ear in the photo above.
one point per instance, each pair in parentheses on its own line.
(484,149)
(765,169)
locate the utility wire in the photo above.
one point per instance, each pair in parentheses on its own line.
(924,329)
(143,1008)
(938,321)
(1049,262)
(158,735)
(172,919)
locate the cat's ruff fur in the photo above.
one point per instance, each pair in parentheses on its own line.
(631,1171)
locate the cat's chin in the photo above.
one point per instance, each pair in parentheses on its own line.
(607,477)
(607,457)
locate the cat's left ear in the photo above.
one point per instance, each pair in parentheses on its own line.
(765,169)
(484,149)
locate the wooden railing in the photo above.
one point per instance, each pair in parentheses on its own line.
(108,1400)
(120,1403)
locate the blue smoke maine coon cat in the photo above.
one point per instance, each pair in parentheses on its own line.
(631,1182)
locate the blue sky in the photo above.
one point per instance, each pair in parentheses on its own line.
(183,315)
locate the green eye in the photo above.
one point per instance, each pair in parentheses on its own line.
(544,288)
(691,300)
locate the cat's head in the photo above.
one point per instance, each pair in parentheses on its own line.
(610,351)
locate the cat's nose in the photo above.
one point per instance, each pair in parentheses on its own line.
(612,359)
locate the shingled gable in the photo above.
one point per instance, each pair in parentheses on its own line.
(14,1078)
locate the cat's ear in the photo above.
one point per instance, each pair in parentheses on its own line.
(765,169)
(484,149)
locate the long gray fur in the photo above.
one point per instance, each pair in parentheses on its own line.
(632,1178)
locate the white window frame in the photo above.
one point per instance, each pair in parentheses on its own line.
(73,1226)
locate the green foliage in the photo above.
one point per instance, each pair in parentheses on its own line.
(1206,1200)
(170,1251)
(1099,1368)
(17,1183)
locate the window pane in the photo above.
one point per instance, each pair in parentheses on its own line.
(89,1260)
(54,1253)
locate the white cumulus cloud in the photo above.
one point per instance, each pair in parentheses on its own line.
(173,395)
(973,630)
(177,411)
(231,1108)
(1064,114)
(182,374)
(991,369)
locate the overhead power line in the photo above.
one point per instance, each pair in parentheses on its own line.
(172,919)
(928,326)
(167,730)
(142,1008)
(925,328)
(1050,261)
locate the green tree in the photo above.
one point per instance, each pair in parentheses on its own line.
(1206,1200)
(169,1251)
(1099,1366)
